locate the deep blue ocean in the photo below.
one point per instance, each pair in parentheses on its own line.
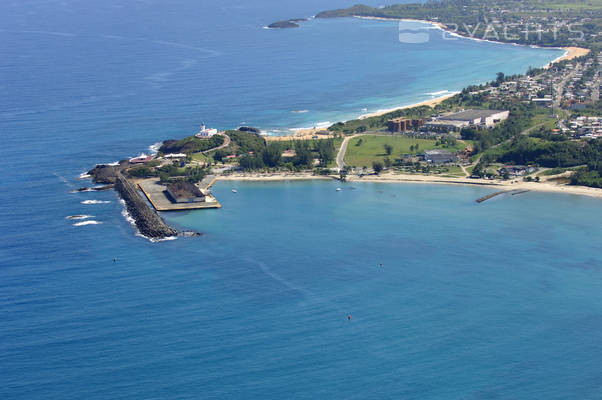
(448,299)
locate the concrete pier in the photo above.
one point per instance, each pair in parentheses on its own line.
(158,197)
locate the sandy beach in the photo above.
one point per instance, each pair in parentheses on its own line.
(276,176)
(307,134)
(571,53)
(496,185)
(430,103)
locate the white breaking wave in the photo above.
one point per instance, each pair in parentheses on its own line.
(74,217)
(125,213)
(95,202)
(154,148)
(89,222)
(155,240)
(90,189)
(128,217)
(318,125)
(439,93)
(85,175)
(300,111)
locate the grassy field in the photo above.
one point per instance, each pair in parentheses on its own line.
(574,4)
(372,148)
(200,157)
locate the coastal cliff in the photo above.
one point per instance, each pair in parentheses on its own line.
(148,222)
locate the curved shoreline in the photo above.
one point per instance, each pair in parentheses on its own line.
(569,54)
(515,184)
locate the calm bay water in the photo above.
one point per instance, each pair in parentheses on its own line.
(498,300)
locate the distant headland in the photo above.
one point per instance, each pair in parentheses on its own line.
(289,23)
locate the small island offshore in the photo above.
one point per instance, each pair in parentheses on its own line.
(537,131)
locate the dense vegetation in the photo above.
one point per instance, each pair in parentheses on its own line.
(169,173)
(591,175)
(191,144)
(270,156)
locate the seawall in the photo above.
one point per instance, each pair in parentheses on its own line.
(148,222)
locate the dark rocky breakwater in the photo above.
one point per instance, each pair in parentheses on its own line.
(148,222)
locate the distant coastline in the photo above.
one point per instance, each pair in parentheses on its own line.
(309,132)
(571,52)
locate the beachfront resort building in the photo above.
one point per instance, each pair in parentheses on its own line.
(467,118)
(404,124)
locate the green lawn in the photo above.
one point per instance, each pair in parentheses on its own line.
(451,171)
(372,148)
(200,157)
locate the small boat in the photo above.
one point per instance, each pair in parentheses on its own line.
(339,189)
(234,191)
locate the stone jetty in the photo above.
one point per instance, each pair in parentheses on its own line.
(148,222)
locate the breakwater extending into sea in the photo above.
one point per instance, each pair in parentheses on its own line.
(148,222)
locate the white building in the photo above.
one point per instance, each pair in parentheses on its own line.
(467,118)
(206,133)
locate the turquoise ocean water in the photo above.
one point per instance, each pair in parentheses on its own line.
(498,300)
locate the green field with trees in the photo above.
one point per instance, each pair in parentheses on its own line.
(362,151)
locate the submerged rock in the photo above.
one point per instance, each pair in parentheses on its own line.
(189,234)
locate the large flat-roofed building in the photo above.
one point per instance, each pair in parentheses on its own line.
(464,119)
(439,157)
(185,192)
(404,124)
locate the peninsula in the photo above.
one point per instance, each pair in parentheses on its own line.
(537,131)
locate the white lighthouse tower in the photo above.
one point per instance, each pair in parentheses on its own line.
(204,132)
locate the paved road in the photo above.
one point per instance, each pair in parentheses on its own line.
(225,144)
(342,151)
